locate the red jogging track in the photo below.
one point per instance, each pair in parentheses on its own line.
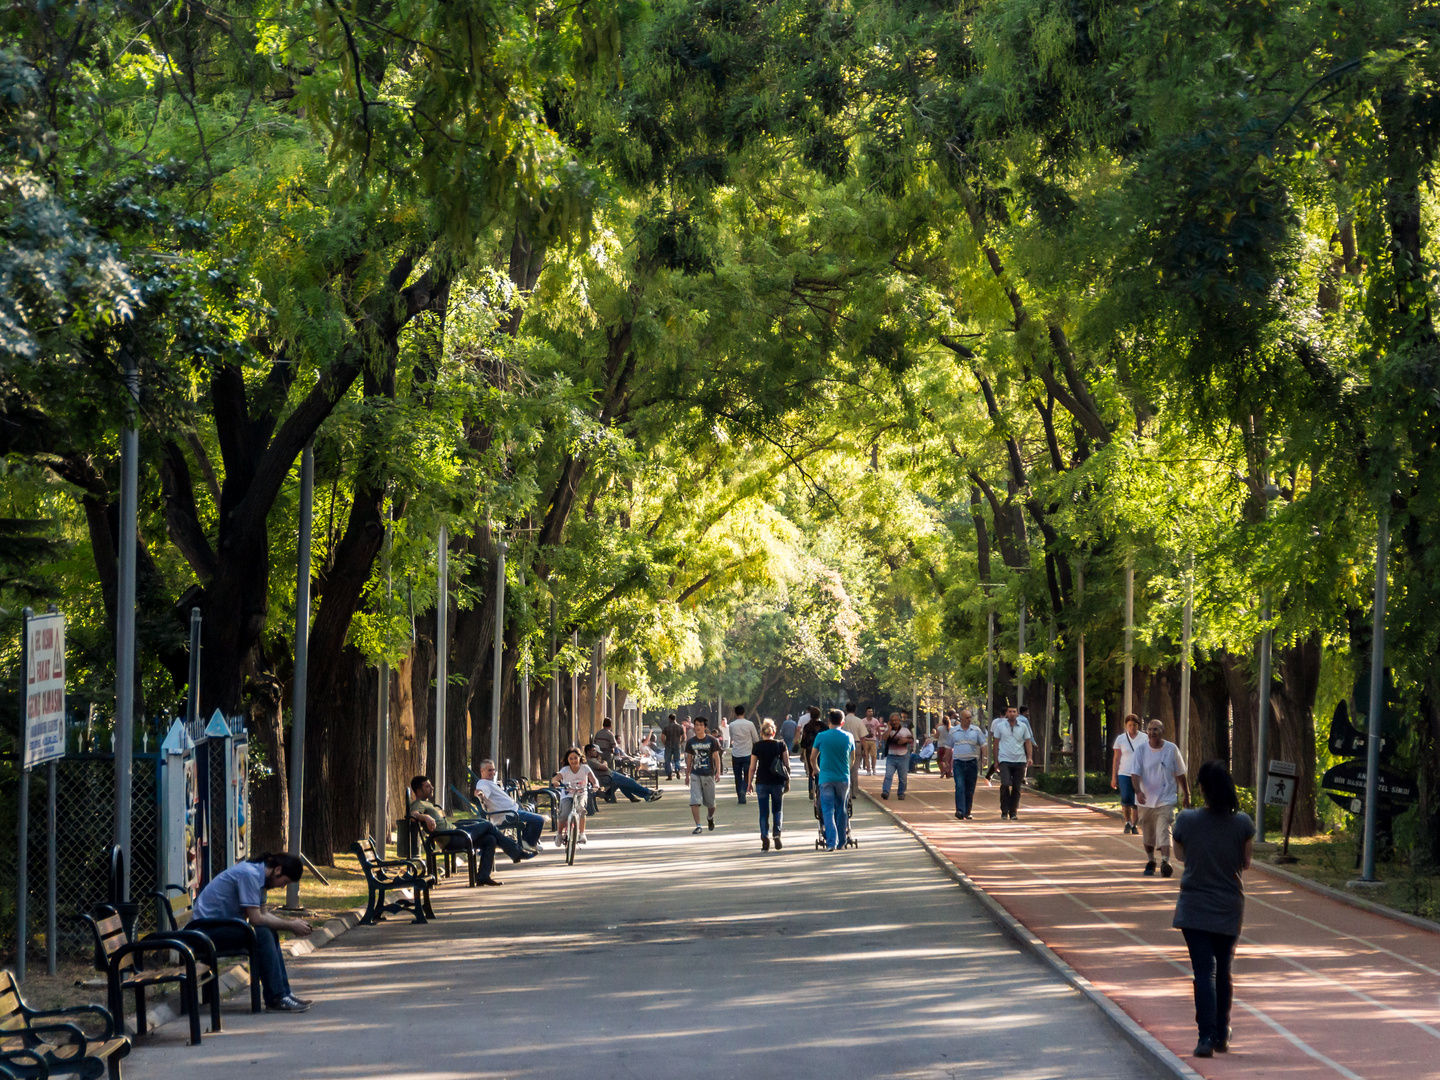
(1322,989)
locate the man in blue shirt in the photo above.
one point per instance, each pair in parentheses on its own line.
(830,759)
(239,893)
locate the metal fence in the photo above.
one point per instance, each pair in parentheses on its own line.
(84,833)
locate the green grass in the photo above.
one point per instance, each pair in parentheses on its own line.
(1329,859)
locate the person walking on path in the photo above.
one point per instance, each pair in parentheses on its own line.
(1159,773)
(674,735)
(856,727)
(898,744)
(1014,751)
(967,751)
(830,758)
(1121,763)
(742,741)
(702,761)
(1216,845)
(869,746)
(770,781)
(813,727)
(787,732)
(942,746)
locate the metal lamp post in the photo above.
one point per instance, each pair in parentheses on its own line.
(302,661)
(1262,736)
(1377,696)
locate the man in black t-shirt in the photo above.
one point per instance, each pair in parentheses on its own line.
(814,726)
(702,761)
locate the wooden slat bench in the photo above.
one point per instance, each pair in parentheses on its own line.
(56,1037)
(122,972)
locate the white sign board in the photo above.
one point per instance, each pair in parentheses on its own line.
(1281,783)
(44,689)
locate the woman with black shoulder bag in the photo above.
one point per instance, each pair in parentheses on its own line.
(769,780)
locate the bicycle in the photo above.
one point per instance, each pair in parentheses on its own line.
(572,825)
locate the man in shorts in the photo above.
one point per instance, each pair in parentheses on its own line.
(702,760)
(1122,761)
(1158,771)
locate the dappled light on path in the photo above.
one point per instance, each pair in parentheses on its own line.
(1322,989)
(661,953)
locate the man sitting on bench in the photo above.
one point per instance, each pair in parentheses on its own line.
(485,836)
(504,810)
(612,780)
(239,893)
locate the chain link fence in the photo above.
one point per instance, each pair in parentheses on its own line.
(84,833)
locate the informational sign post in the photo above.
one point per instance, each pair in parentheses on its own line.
(44,689)
(1282,782)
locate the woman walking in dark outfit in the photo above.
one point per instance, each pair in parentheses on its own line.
(770,779)
(1216,844)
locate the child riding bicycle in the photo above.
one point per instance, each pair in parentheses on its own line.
(575,781)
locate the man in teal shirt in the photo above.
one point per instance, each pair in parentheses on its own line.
(830,759)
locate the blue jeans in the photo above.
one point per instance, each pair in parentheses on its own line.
(274,983)
(622,783)
(896,765)
(1210,958)
(672,762)
(741,765)
(833,816)
(531,825)
(967,771)
(770,796)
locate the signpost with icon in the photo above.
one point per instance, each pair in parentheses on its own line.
(42,724)
(1282,782)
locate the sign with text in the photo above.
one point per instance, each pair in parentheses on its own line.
(1348,779)
(44,689)
(1280,783)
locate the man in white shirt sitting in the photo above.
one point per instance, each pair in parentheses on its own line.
(501,809)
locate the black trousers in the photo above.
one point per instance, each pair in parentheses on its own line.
(1210,958)
(1012,779)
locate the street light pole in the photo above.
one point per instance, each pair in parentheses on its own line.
(1129,636)
(1262,725)
(1185,663)
(1080,694)
(500,550)
(302,661)
(124,743)
(442,662)
(1377,694)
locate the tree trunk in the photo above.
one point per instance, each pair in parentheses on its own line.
(1293,694)
(270,791)
(1244,709)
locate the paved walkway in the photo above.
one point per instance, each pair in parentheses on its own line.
(1322,989)
(660,954)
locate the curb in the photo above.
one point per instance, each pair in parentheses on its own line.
(1159,1055)
(237,976)
(1417,921)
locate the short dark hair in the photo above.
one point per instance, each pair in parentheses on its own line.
(1024,710)
(701,720)
(416,781)
(849,706)
(672,716)
(836,717)
(739,710)
(1218,787)
(291,866)
(605,723)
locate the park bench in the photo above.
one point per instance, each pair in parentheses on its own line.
(440,848)
(390,875)
(23,1065)
(176,913)
(123,971)
(40,1042)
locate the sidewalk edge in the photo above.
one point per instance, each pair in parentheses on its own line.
(237,976)
(1417,921)
(1160,1055)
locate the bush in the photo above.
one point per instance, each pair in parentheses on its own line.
(1063,783)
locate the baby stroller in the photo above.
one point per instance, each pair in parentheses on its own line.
(850,840)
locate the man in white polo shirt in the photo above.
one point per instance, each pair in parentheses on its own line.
(1158,771)
(1014,751)
(742,745)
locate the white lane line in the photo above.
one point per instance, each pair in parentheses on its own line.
(1279,1028)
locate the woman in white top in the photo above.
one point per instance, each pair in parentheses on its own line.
(1120,766)
(575,781)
